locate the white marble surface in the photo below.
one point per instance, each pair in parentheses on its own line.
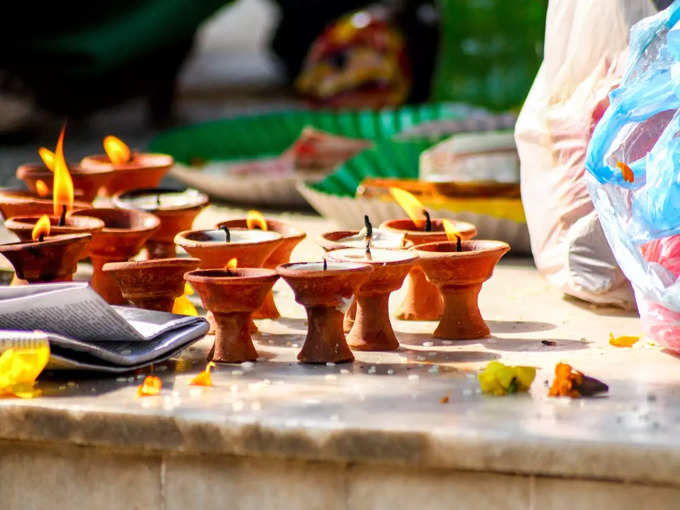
(386,408)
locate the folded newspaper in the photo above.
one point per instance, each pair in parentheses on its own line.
(86,333)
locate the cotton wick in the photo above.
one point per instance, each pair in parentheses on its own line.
(41,237)
(369,227)
(62,218)
(428,221)
(459,245)
(158,199)
(325,265)
(226,232)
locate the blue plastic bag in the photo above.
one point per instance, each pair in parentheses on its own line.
(640,212)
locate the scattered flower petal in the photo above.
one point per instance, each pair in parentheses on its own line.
(622,341)
(500,379)
(203,379)
(150,387)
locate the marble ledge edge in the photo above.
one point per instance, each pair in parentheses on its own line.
(654,464)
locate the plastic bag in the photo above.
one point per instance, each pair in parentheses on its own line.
(634,169)
(585,49)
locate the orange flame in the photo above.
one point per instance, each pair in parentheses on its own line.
(42,188)
(255,219)
(62,189)
(150,387)
(232,264)
(116,150)
(451,232)
(411,206)
(203,379)
(41,228)
(47,157)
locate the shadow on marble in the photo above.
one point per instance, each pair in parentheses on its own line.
(519,326)
(427,340)
(448,356)
(532,344)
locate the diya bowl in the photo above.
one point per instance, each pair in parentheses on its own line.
(249,247)
(174,208)
(232,296)
(54,259)
(123,235)
(86,181)
(144,170)
(25,203)
(372,329)
(326,293)
(22,226)
(459,275)
(422,300)
(291,236)
(152,284)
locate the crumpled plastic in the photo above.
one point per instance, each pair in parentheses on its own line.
(641,129)
(21,362)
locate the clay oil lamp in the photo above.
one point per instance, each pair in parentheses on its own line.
(422,300)
(325,289)
(231,295)
(46,259)
(459,269)
(372,329)
(152,284)
(290,237)
(25,203)
(176,209)
(380,238)
(123,236)
(132,170)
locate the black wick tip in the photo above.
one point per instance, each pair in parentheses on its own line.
(41,237)
(459,244)
(62,218)
(428,221)
(369,227)
(325,265)
(226,232)
(158,199)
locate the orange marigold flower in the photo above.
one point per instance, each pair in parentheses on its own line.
(566,381)
(150,387)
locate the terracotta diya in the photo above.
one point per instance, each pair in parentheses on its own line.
(123,235)
(22,226)
(25,203)
(326,290)
(372,329)
(152,284)
(132,170)
(291,236)
(86,181)
(51,259)
(232,295)
(460,275)
(176,209)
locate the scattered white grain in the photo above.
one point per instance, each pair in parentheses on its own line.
(247,365)
(236,373)
(371,369)
(330,364)
(390,371)
(344,371)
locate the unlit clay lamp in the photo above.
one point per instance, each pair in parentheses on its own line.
(123,235)
(422,300)
(232,295)
(325,290)
(25,203)
(132,170)
(372,329)
(86,181)
(152,284)
(459,275)
(52,259)
(290,237)
(176,209)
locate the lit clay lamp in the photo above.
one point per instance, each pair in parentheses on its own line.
(176,209)
(422,300)
(231,295)
(459,269)
(25,203)
(123,235)
(372,329)
(46,259)
(325,289)
(132,170)
(291,236)
(152,284)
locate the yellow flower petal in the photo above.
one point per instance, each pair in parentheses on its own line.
(622,341)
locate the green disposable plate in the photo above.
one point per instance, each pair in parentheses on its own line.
(270,134)
(386,158)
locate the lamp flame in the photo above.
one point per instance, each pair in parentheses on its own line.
(451,232)
(255,219)
(62,189)
(411,206)
(41,228)
(232,264)
(47,157)
(116,150)
(41,188)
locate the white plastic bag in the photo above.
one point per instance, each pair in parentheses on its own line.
(585,51)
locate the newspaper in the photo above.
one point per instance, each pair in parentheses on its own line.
(87,333)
